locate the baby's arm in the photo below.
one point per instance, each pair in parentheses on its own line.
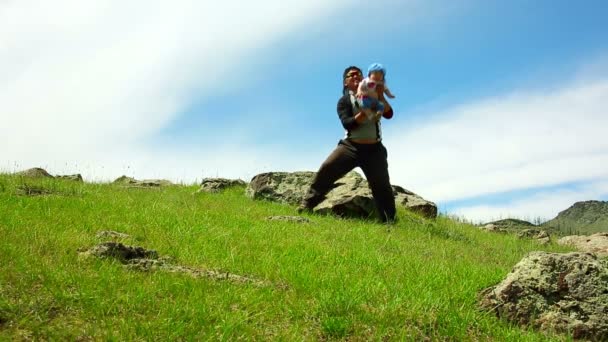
(362,89)
(388,92)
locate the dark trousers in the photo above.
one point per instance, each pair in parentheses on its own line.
(372,159)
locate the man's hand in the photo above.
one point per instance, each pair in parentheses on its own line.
(360,117)
(387,107)
(377,117)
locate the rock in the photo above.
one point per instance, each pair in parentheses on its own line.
(213,185)
(563,293)
(77,177)
(296,219)
(509,225)
(491,227)
(141,259)
(540,236)
(35,172)
(596,243)
(512,223)
(281,187)
(350,196)
(414,202)
(146,183)
(124,180)
(119,251)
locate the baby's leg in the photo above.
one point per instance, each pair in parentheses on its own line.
(367,104)
(380,107)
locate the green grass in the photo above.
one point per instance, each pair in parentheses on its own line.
(345,278)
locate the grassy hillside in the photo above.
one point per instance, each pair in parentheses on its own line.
(582,218)
(329,279)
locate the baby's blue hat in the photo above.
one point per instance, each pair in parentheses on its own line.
(376,67)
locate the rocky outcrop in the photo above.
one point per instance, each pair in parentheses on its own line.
(146,183)
(522,229)
(283,187)
(118,251)
(507,226)
(77,177)
(294,219)
(214,185)
(512,223)
(38,172)
(35,172)
(596,243)
(414,202)
(491,227)
(563,293)
(141,259)
(350,196)
(539,235)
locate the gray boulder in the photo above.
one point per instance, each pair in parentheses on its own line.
(491,227)
(295,219)
(562,293)
(35,172)
(283,187)
(146,183)
(350,196)
(77,177)
(117,250)
(596,243)
(414,202)
(541,236)
(218,184)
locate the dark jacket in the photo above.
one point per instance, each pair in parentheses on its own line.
(347,117)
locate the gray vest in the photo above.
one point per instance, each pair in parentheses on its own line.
(366,130)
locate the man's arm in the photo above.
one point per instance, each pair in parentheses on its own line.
(388,111)
(345,112)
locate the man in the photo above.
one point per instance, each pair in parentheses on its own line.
(361,147)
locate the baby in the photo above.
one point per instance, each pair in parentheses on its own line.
(370,94)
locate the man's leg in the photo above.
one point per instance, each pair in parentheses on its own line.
(375,167)
(339,162)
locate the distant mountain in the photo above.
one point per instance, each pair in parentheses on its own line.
(581,218)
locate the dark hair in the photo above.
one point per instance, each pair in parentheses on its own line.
(352,67)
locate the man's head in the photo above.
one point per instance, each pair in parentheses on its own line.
(351,78)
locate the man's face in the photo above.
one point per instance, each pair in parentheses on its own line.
(353,77)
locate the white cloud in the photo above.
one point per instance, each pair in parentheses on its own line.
(83,80)
(521,140)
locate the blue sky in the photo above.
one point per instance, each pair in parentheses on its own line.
(500,107)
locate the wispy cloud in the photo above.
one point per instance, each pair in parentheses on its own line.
(81,80)
(517,141)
